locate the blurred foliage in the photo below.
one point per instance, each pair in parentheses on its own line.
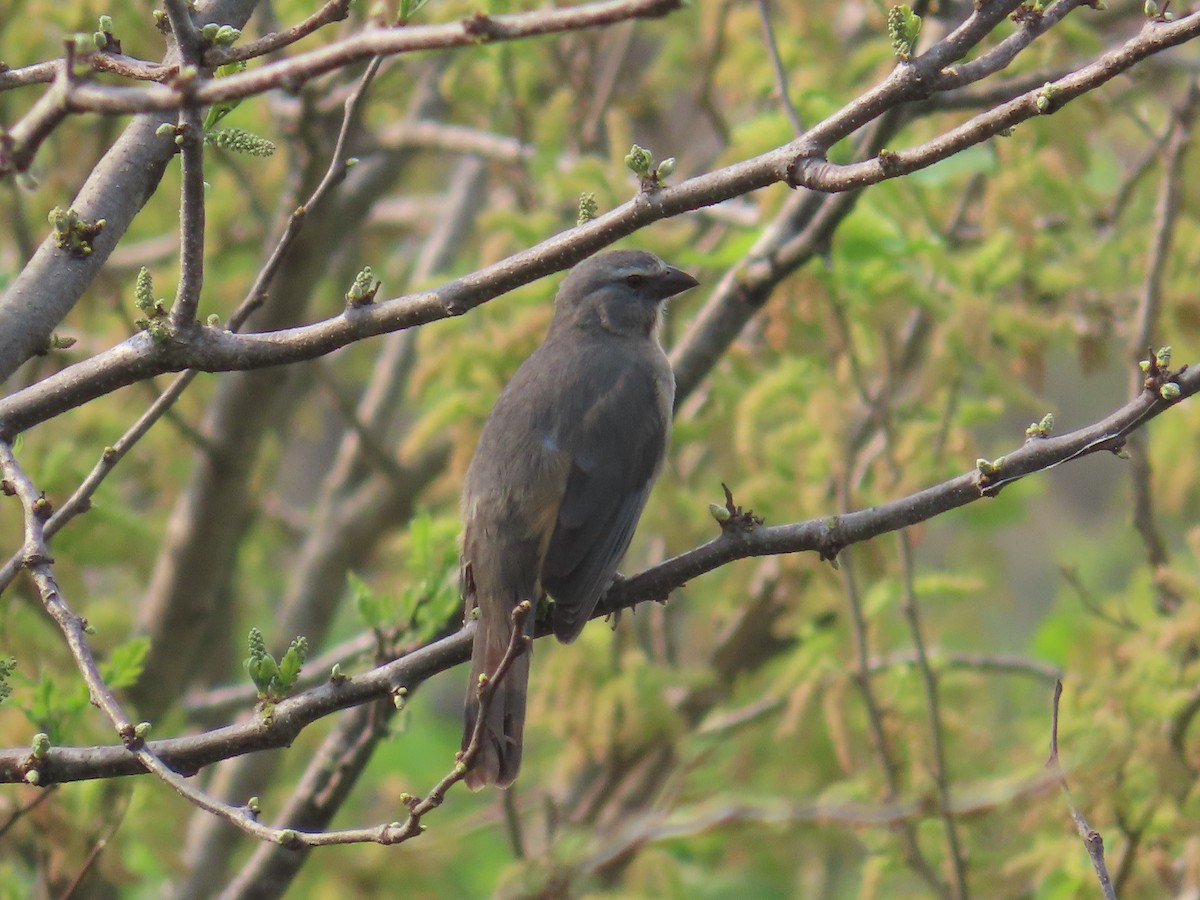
(718,745)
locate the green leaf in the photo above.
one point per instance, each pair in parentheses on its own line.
(291,664)
(124,665)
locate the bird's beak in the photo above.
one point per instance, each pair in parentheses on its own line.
(673,281)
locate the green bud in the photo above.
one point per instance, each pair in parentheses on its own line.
(1169,391)
(666,167)
(141,730)
(588,208)
(639,161)
(287,837)
(1163,357)
(34,777)
(240,141)
(213,320)
(1044,97)
(1150,9)
(1042,428)
(1144,365)
(719,513)
(989,467)
(903,27)
(362,292)
(41,745)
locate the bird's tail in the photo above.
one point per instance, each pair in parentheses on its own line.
(499,756)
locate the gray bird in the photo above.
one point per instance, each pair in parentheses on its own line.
(561,474)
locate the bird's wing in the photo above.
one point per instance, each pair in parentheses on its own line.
(613,465)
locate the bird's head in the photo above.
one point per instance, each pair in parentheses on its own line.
(621,292)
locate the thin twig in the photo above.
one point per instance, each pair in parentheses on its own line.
(781,84)
(334,175)
(293,72)
(1180,723)
(909,844)
(97,848)
(661,825)
(929,683)
(81,500)
(1092,840)
(1166,214)
(21,811)
(333,11)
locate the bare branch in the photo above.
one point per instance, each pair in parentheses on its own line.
(781,85)
(810,170)
(334,175)
(826,536)
(332,11)
(1147,326)
(292,73)
(81,499)
(1092,840)
(190,137)
(209,350)
(905,832)
(929,682)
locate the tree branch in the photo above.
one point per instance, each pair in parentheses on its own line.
(211,350)
(825,536)
(294,72)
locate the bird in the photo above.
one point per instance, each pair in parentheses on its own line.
(559,478)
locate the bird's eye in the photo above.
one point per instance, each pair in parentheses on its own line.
(634,280)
